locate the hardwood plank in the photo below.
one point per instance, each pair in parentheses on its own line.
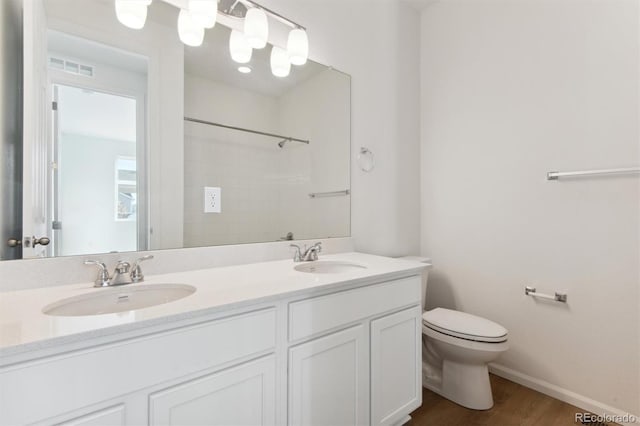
(514,405)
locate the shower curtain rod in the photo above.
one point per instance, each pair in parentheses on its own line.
(242,129)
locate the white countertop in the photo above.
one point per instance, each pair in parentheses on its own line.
(24,328)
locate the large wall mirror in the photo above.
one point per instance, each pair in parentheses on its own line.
(135,141)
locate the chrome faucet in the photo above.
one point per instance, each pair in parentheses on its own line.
(119,276)
(124,272)
(310,254)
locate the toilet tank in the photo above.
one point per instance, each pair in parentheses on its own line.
(425,273)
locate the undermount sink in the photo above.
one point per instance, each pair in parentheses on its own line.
(328,267)
(119,299)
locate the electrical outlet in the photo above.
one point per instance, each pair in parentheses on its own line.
(212,199)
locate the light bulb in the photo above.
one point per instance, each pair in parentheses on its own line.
(132,13)
(280,64)
(190,33)
(298,46)
(256,28)
(239,47)
(204,12)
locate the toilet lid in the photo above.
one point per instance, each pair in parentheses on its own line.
(464,326)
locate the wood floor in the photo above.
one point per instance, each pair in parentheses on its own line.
(514,405)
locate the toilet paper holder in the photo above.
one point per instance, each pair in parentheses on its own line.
(558,297)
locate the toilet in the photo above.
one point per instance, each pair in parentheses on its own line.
(457,348)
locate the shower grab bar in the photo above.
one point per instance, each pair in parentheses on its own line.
(623,171)
(558,297)
(329,194)
(242,129)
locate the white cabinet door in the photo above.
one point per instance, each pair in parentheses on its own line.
(242,395)
(396,387)
(329,380)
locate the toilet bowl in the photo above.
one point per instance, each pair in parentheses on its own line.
(456,350)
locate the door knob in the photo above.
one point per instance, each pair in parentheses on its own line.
(33,241)
(29,242)
(14,242)
(43,241)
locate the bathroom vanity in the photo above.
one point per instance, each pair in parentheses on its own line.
(259,344)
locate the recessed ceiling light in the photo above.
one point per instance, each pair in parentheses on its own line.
(244,70)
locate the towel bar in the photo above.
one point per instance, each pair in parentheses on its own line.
(558,297)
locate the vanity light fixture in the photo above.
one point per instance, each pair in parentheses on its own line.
(280,64)
(132,13)
(298,46)
(239,47)
(202,14)
(256,31)
(256,27)
(190,33)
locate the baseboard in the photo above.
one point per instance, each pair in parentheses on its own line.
(565,395)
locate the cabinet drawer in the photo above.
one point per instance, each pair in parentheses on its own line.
(318,314)
(75,380)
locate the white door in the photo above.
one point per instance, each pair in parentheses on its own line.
(396,362)
(329,380)
(242,395)
(36,116)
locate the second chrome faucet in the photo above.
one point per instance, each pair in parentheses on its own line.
(124,272)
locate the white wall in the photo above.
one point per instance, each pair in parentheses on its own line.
(511,90)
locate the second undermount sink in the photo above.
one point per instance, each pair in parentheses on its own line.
(119,299)
(328,267)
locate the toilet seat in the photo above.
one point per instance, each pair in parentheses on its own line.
(464,326)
